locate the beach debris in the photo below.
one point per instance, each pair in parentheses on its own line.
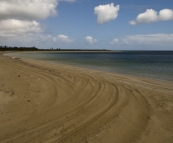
(12,92)
(28,100)
(14,58)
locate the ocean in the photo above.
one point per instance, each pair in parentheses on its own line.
(151,64)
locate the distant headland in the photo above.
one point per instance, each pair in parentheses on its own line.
(15,48)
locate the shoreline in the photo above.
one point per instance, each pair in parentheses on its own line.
(130,75)
(47,102)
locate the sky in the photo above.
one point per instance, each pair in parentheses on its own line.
(87,24)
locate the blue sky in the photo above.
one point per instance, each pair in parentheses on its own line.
(88,24)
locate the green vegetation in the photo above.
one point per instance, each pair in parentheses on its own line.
(6,48)
(9,48)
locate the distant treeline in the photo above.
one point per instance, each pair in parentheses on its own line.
(9,48)
(58,49)
(6,48)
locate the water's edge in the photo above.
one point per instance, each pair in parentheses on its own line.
(157,66)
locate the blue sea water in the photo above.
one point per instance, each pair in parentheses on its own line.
(152,64)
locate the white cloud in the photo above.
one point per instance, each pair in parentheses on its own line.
(30,39)
(90,40)
(19,23)
(114,41)
(12,27)
(38,40)
(18,17)
(27,9)
(106,12)
(151,39)
(62,39)
(151,16)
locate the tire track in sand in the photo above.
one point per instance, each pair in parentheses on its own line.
(95,107)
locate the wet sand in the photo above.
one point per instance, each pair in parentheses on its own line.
(42,102)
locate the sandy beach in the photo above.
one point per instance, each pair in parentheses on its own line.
(42,102)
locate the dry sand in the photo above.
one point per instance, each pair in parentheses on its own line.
(50,103)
